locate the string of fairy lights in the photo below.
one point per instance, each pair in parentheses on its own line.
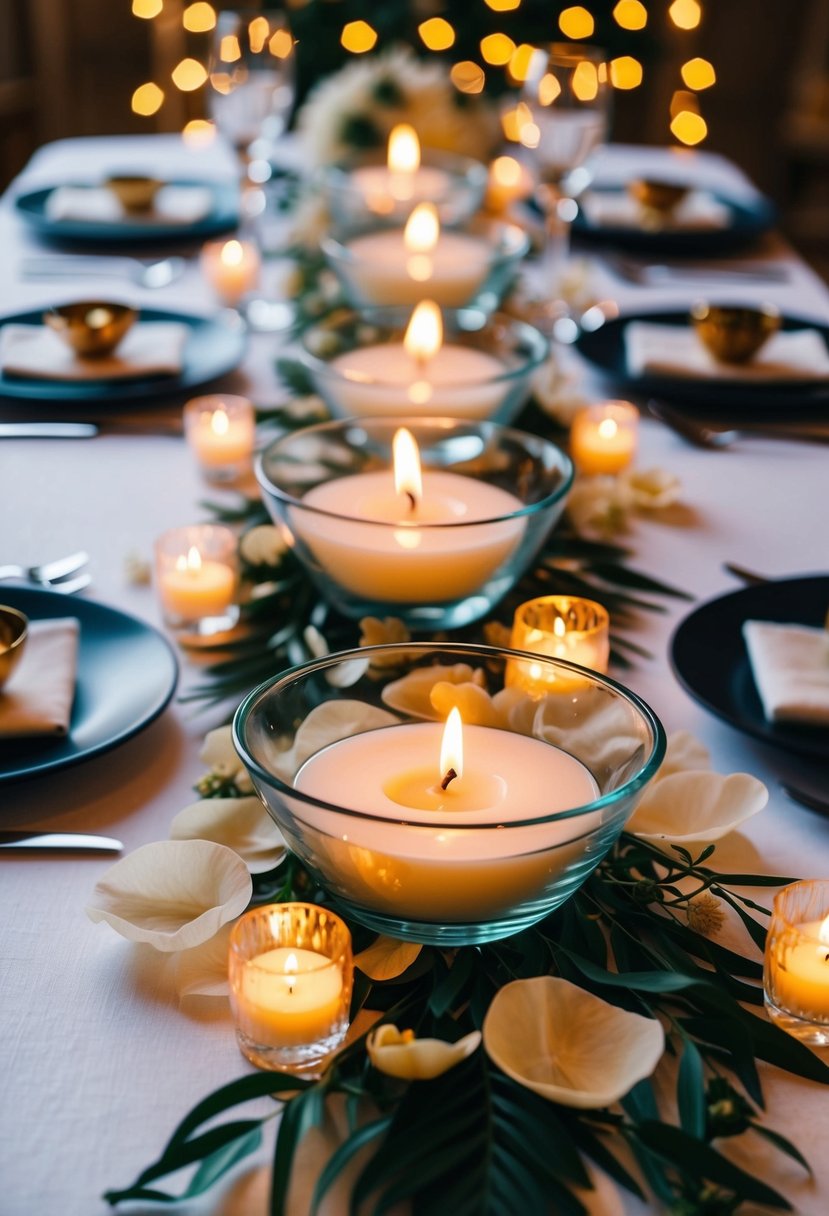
(498,53)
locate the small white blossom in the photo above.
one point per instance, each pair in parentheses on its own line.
(599,506)
(263,546)
(137,570)
(652,489)
(705,914)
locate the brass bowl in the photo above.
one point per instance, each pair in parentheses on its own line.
(93,328)
(734,333)
(135,192)
(654,195)
(14,629)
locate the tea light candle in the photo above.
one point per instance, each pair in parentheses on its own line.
(196,572)
(509,182)
(421,374)
(231,268)
(405,559)
(289,996)
(603,437)
(560,627)
(220,430)
(796,977)
(403,179)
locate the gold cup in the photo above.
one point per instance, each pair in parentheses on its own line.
(93,328)
(135,192)
(657,196)
(14,629)
(734,334)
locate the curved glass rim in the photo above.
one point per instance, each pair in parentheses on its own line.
(510,242)
(630,787)
(392,421)
(464,168)
(398,315)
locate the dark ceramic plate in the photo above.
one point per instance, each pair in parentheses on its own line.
(747,220)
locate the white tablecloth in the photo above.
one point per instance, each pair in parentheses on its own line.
(97,1062)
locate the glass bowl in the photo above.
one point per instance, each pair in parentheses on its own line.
(472,266)
(361,194)
(490,497)
(352,778)
(483,370)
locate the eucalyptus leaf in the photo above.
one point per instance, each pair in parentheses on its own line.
(690,1091)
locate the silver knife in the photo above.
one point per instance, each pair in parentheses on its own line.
(48,430)
(73,841)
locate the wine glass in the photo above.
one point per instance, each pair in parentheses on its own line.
(563,119)
(251,78)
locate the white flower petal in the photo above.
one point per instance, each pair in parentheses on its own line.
(683,754)
(325,724)
(416,1059)
(173,894)
(242,824)
(569,1045)
(411,694)
(263,546)
(475,704)
(697,806)
(386,958)
(653,489)
(218,752)
(202,971)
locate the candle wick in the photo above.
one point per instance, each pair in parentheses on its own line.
(450,776)
(412,501)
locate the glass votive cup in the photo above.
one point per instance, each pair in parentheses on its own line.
(290,970)
(231,268)
(558,627)
(603,437)
(796,972)
(484,368)
(221,430)
(196,574)
(472,266)
(490,496)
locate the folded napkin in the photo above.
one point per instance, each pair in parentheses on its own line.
(98,205)
(699,210)
(676,350)
(151,348)
(790,664)
(37,698)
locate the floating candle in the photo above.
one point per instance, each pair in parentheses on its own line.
(403,178)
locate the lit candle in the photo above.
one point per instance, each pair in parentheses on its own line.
(560,627)
(220,430)
(422,374)
(439,853)
(231,268)
(397,266)
(509,182)
(403,179)
(196,572)
(289,996)
(802,970)
(374,534)
(603,437)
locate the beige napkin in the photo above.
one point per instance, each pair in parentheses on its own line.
(698,211)
(37,698)
(790,664)
(98,205)
(677,351)
(151,348)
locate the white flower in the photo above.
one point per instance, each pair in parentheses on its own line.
(651,489)
(399,1054)
(263,546)
(599,506)
(241,824)
(219,754)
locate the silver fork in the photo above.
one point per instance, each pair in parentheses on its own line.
(146,274)
(650,274)
(53,574)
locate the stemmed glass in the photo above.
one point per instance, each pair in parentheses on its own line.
(251,78)
(564,118)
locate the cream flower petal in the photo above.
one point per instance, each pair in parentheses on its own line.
(393,1053)
(173,894)
(325,724)
(653,489)
(684,753)
(475,704)
(601,732)
(386,958)
(697,807)
(411,694)
(218,752)
(569,1045)
(242,824)
(202,971)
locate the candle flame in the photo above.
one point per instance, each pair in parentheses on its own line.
(451,748)
(559,628)
(422,229)
(608,428)
(189,561)
(407,475)
(424,333)
(290,970)
(823,931)
(219,422)
(404,149)
(232,253)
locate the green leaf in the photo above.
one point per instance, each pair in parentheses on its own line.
(186,1153)
(299,1116)
(640,981)
(690,1091)
(340,1158)
(783,1144)
(218,1163)
(456,977)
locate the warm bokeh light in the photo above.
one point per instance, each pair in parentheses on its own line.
(403,154)
(519,64)
(198,18)
(698,74)
(424,333)
(436,34)
(689,128)
(502,6)
(625,72)
(358,37)
(232,253)
(685,14)
(281,44)
(497,49)
(147,99)
(529,134)
(468,77)
(422,229)
(682,100)
(189,75)
(576,22)
(229,49)
(585,82)
(199,132)
(548,89)
(630,15)
(147,8)
(258,30)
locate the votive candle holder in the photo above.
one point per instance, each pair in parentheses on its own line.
(559,627)
(232,269)
(221,431)
(796,972)
(604,437)
(196,576)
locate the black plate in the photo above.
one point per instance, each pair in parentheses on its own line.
(221,217)
(605,349)
(127,673)
(711,662)
(211,349)
(748,220)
